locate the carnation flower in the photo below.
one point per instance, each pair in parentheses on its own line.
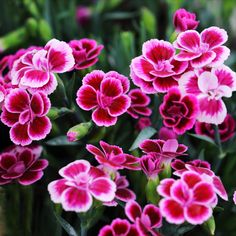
(105,93)
(81,182)
(155,69)
(26,115)
(203,49)
(85,52)
(166,133)
(22,164)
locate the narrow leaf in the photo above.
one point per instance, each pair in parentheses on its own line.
(60,141)
(203,138)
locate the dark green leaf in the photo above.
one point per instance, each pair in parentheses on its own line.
(60,141)
(203,137)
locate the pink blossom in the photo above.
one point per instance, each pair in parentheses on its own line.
(203,49)
(113,157)
(79,184)
(146,220)
(202,168)
(226,129)
(234,197)
(83,15)
(179,111)
(26,115)
(139,103)
(189,199)
(166,150)
(209,87)
(143,123)
(166,133)
(119,227)
(22,164)
(85,52)
(105,94)
(35,69)
(184,20)
(155,69)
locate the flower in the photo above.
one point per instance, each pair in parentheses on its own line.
(155,69)
(26,115)
(151,165)
(22,164)
(226,129)
(179,111)
(83,15)
(189,198)
(113,157)
(166,133)
(79,183)
(85,52)
(209,87)
(119,227)
(35,69)
(139,103)
(143,123)
(234,197)
(105,93)
(202,168)
(184,20)
(145,221)
(203,49)
(166,150)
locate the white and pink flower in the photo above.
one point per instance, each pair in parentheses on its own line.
(79,184)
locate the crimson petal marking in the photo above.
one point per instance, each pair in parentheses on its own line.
(56,189)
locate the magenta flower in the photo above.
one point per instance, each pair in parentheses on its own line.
(184,20)
(155,69)
(83,15)
(201,168)
(80,183)
(113,157)
(35,69)
(166,150)
(22,164)
(139,103)
(142,123)
(119,227)
(146,221)
(166,133)
(179,111)
(85,52)
(203,49)
(189,199)
(26,115)
(234,197)
(226,129)
(106,95)
(210,87)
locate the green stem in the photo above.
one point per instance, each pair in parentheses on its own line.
(83,225)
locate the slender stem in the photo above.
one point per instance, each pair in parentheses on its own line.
(221,153)
(83,225)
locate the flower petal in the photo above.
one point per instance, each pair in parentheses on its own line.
(102,118)
(133,210)
(56,189)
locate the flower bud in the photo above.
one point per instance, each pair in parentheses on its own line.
(79,131)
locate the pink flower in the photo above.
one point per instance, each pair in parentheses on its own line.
(106,95)
(71,136)
(83,15)
(184,20)
(179,111)
(151,165)
(201,168)
(122,192)
(145,221)
(166,150)
(35,69)
(26,115)
(203,49)
(166,133)
(113,157)
(226,129)
(85,52)
(79,184)
(188,199)
(234,197)
(143,123)
(210,87)
(119,227)
(139,103)
(22,164)
(153,71)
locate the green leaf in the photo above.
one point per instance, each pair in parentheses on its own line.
(144,134)
(60,141)
(66,226)
(210,226)
(203,137)
(149,21)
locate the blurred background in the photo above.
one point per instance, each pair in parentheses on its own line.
(121,26)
